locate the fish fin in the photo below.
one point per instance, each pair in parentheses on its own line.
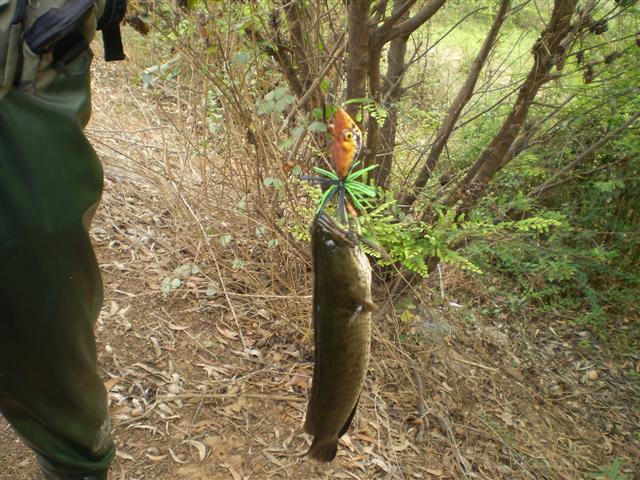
(369,306)
(323,450)
(326,450)
(345,427)
(356,313)
(308,422)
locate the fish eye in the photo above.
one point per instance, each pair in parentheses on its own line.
(330,244)
(348,135)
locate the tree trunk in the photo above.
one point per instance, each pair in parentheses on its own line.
(392,91)
(358,51)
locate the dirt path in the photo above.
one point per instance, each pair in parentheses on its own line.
(205,385)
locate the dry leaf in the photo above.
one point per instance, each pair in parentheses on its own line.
(155,458)
(156,346)
(109,384)
(176,458)
(113,310)
(123,311)
(234,473)
(437,472)
(124,455)
(202,450)
(507,418)
(367,438)
(173,326)
(227,333)
(378,462)
(347,442)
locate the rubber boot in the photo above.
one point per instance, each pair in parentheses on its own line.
(49,472)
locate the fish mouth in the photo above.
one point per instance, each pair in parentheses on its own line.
(332,229)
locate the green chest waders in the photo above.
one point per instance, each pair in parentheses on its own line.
(50,285)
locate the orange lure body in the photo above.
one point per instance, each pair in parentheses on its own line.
(346,144)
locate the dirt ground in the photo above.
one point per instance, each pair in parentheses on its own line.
(208,377)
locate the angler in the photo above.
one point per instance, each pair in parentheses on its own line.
(50,185)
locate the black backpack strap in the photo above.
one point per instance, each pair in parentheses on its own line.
(109,23)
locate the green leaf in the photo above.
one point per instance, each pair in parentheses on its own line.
(276,94)
(165,287)
(281,104)
(316,113)
(279,92)
(285,144)
(186,270)
(355,200)
(273,182)
(225,239)
(237,264)
(317,127)
(266,107)
(241,57)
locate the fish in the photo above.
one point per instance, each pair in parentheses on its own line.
(342,310)
(346,143)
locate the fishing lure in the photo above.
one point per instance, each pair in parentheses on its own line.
(344,181)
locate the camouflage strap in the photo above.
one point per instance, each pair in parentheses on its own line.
(109,24)
(38,39)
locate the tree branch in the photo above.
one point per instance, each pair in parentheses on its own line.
(410,25)
(336,54)
(280,55)
(398,13)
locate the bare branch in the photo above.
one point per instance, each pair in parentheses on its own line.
(410,25)
(395,17)
(280,54)
(333,57)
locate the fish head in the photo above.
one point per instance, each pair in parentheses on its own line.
(337,249)
(346,144)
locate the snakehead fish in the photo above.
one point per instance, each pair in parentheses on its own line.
(342,309)
(346,144)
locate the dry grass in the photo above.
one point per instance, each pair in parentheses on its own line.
(209,375)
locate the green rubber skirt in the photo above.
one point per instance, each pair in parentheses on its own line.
(50,285)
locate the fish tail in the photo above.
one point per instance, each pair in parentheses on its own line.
(308,423)
(324,450)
